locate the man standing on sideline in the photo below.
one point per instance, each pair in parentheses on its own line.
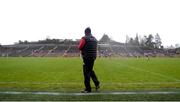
(88,47)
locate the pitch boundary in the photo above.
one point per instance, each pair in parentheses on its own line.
(154,73)
(82,94)
(105,83)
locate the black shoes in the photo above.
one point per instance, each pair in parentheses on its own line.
(97,87)
(89,91)
(85,91)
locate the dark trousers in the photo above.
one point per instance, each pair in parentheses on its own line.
(89,73)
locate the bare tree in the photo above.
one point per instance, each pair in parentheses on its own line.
(157,41)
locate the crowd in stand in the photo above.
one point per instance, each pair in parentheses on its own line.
(70,49)
(67,47)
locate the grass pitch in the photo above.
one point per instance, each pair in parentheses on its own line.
(65,75)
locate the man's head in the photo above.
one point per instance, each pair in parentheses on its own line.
(87,31)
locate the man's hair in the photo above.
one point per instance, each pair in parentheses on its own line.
(88,31)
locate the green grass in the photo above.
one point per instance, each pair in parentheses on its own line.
(65,75)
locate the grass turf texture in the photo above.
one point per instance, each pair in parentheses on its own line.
(65,75)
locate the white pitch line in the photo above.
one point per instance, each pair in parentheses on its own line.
(40,83)
(105,83)
(141,83)
(82,94)
(154,73)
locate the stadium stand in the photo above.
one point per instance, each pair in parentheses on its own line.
(69,48)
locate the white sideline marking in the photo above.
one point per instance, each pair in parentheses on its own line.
(80,94)
(76,83)
(154,73)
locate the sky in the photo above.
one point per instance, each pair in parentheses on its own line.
(35,20)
